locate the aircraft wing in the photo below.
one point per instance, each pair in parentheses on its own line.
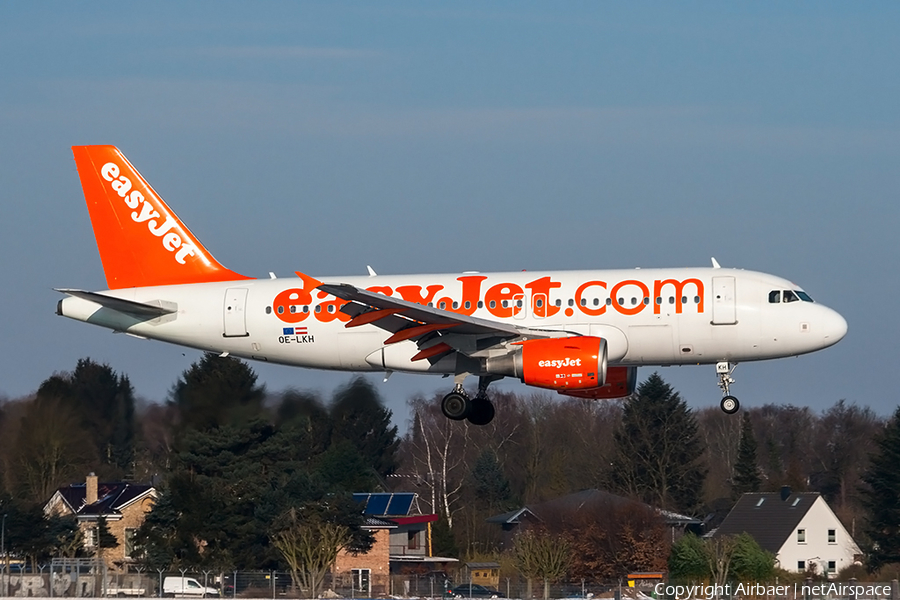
(411,321)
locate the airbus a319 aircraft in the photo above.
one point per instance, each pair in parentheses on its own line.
(580,333)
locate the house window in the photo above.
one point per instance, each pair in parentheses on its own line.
(90,537)
(412,540)
(801,536)
(129,542)
(361,580)
(801,565)
(831,566)
(832,536)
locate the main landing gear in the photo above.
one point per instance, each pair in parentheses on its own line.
(478,410)
(729,403)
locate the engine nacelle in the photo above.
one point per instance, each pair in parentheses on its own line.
(571,363)
(620,383)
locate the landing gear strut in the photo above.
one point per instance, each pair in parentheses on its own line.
(729,403)
(457,406)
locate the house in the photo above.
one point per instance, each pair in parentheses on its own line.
(402,544)
(367,573)
(800,529)
(590,499)
(123,505)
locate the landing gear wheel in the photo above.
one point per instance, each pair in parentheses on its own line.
(482,412)
(730,405)
(456,406)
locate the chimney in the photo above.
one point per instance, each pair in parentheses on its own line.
(90,492)
(785,492)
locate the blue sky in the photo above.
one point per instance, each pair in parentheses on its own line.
(427,137)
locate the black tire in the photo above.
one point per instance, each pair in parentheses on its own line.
(456,406)
(482,412)
(730,405)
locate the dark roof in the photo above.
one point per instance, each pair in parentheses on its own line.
(111,497)
(512,517)
(577,501)
(373,522)
(766,517)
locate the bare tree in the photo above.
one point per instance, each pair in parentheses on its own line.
(51,448)
(437,459)
(539,554)
(310,549)
(720,551)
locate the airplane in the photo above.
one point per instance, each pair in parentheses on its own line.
(579,333)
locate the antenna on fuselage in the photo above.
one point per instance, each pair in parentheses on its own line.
(716,264)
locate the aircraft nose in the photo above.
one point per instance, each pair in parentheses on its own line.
(834,326)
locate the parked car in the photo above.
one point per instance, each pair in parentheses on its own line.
(473,590)
(187,587)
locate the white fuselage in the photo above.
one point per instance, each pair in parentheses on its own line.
(647,316)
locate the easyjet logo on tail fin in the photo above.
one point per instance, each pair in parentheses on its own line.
(141,241)
(171,241)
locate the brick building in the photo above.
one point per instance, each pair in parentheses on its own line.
(402,546)
(123,505)
(367,573)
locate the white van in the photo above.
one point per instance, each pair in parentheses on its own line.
(187,587)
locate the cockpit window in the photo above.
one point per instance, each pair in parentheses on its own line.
(790,296)
(774,296)
(804,296)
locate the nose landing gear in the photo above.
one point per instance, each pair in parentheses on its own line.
(729,403)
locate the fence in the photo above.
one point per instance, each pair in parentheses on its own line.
(86,578)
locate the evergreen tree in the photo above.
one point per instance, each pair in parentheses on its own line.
(688,560)
(880,496)
(359,417)
(231,484)
(746,469)
(750,562)
(217,391)
(491,485)
(443,542)
(105,538)
(658,450)
(104,402)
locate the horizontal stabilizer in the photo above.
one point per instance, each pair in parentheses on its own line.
(139,309)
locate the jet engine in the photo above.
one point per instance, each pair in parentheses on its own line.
(572,363)
(620,383)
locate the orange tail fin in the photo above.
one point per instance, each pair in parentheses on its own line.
(141,241)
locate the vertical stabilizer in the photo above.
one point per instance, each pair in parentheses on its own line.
(141,241)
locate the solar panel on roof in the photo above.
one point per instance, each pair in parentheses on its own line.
(378,504)
(400,504)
